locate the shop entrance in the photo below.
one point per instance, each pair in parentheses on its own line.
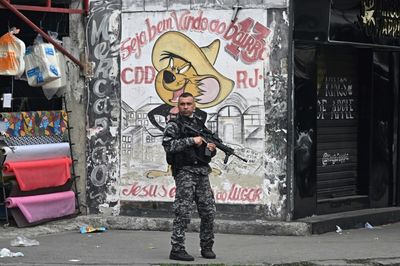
(338,129)
(346,104)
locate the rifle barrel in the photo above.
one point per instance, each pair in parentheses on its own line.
(241,158)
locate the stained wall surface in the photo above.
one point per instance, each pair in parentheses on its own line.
(234,60)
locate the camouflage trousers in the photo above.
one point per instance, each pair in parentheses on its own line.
(192,186)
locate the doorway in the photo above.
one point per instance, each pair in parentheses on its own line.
(351,123)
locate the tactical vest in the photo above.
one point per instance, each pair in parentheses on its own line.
(191,156)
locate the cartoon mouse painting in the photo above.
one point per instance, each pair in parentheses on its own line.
(183,66)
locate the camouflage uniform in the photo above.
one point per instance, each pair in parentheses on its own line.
(192,184)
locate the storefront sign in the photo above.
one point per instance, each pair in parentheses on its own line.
(381,18)
(337,102)
(365,21)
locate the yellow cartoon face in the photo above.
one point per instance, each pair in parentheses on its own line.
(184,67)
(178,77)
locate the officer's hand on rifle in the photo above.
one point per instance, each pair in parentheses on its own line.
(214,141)
(211,146)
(198,141)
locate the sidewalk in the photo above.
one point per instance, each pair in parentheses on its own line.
(376,246)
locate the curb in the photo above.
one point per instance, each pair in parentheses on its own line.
(258,227)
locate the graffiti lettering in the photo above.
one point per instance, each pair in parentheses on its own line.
(100,6)
(162,191)
(100,106)
(103,101)
(244,81)
(99,154)
(93,196)
(97,86)
(99,175)
(101,50)
(249,47)
(105,68)
(101,31)
(149,191)
(138,75)
(188,22)
(247,37)
(237,193)
(133,45)
(101,124)
(162,26)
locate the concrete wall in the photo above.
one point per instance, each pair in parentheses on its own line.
(104,99)
(75,99)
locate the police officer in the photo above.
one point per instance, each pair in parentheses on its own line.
(189,156)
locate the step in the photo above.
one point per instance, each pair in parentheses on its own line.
(320,224)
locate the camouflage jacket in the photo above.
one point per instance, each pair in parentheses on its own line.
(181,147)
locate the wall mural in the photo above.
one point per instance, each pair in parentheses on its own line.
(103,130)
(178,68)
(222,64)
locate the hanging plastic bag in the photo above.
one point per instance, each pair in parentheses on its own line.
(54,87)
(51,88)
(41,64)
(12,52)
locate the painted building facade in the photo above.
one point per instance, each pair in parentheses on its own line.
(309,101)
(235,63)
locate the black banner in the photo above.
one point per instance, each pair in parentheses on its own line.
(365,21)
(374,22)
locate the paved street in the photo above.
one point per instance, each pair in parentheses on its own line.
(377,246)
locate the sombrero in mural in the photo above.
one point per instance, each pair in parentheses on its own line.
(201,58)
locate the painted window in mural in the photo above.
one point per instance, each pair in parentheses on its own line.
(220,62)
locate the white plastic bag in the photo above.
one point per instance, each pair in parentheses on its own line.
(41,64)
(52,87)
(23,241)
(5,252)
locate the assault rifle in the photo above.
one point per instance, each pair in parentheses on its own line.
(208,136)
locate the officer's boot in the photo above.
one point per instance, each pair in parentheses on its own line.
(180,255)
(206,249)
(208,253)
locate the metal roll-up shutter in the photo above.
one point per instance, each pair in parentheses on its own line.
(337,124)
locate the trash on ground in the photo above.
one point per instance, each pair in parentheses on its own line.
(5,252)
(22,241)
(338,229)
(90,229)
(368,225)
